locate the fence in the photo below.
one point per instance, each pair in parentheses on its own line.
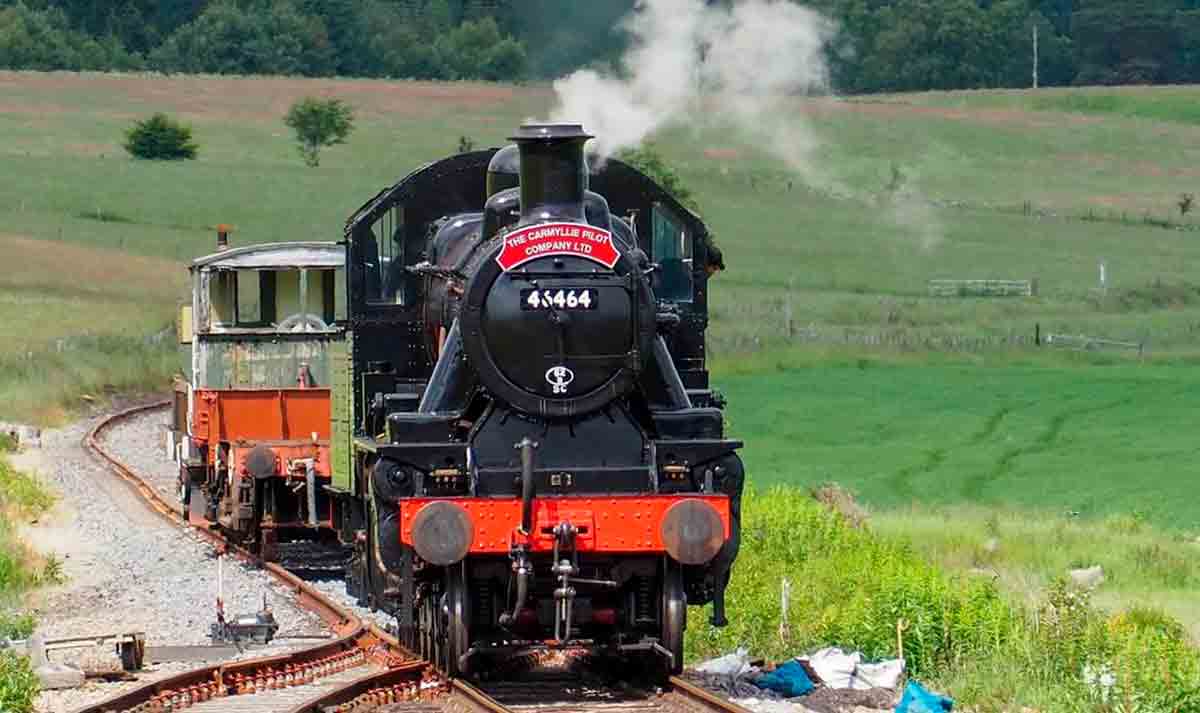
(904,339)
(79,342)
(983,288)
(1083,342)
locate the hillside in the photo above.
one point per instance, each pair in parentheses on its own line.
(898,190)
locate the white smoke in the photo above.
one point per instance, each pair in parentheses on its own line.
(740,68)
(699,66)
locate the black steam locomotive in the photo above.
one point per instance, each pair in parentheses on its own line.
(526,450)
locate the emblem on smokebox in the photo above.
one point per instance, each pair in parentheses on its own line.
(559,378)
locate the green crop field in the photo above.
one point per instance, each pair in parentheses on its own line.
(1095,440)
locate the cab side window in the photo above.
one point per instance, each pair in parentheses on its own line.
(386,260)
(672,251)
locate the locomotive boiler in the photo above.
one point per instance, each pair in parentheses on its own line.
(526,447)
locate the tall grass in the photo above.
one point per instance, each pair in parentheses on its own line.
(851,586)
(45,387)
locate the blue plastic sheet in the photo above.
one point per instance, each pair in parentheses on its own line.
(918,700)
(789,679)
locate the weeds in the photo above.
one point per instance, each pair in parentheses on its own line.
(16,625)
(20,494)
(18,684)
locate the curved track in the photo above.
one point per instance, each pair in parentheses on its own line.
(364,669)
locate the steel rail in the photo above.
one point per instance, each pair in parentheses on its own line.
(706,700)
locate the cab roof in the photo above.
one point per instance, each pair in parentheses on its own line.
(274,256)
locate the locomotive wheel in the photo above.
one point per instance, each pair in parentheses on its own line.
(674,612)
(456,621)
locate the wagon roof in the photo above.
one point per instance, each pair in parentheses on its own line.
(281,255)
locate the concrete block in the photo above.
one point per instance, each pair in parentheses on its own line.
(55,676)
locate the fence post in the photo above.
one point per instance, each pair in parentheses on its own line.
(787,311)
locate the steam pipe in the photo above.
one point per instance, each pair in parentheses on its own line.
(521,569)
(526,446)
(310,481)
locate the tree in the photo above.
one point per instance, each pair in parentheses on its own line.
(259,37)
(42,39)
(477,50)
(319,123)
(160,138)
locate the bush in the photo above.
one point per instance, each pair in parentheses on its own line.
(319,123)
(18,684)
(160,138)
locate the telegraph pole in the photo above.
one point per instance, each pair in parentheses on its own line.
(1035,54)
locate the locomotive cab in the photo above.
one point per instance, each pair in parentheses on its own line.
(537,450)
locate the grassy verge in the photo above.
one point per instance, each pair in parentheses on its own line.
(47,386)
(21,498)
(1054,649)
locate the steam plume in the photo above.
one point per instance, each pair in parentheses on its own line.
(694,65)
(736,67)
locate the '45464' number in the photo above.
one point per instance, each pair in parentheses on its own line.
(558,299)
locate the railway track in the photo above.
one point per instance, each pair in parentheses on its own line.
(365,669)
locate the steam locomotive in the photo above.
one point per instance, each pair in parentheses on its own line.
(523,447)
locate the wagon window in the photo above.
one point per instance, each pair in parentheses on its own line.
(673,252)
(249,298)
(336,293)
(222,298)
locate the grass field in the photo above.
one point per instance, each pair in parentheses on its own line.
(1092,441)
(898,190)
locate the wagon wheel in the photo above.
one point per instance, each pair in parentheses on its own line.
(674,612)
(302,322)
(185,492)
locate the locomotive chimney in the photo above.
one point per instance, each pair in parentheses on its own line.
(554,174)
(222,238)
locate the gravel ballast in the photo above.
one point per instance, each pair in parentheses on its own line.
(129,570)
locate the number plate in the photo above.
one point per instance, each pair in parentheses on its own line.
(559,299)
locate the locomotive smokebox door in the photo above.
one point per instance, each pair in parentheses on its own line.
(558,320)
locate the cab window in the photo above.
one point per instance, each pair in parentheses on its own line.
(672,250)
(386,258)
(307,299)
(241,298)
